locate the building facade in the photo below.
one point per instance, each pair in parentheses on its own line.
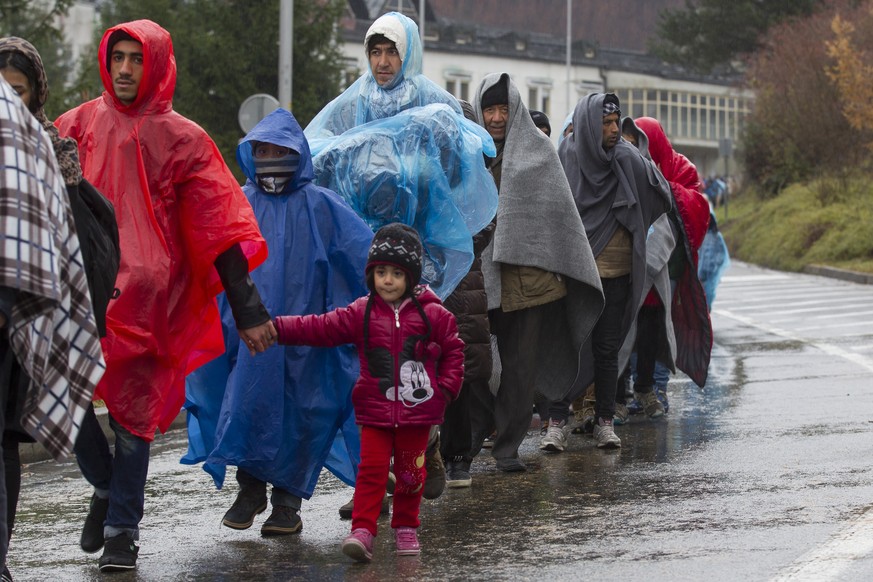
(703,116)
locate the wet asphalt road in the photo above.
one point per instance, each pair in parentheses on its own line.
(766,474)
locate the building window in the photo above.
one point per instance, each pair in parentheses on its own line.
(458,84)
(539,95)
(350,72)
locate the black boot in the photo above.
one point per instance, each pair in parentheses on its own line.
(92,532)
(250,501)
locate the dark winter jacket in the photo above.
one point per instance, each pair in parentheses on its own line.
(403,381)
(469,304)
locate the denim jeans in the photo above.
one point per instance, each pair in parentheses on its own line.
(122,475)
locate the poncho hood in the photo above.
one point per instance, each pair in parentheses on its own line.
(281,128)
(365,101)
(159,68)
(404,33)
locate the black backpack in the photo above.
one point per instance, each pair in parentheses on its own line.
(98,238)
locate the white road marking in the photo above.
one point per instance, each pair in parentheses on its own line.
(830,349)
(830,561)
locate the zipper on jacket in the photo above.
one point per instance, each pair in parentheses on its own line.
(396,340)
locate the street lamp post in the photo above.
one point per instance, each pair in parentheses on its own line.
(286,52)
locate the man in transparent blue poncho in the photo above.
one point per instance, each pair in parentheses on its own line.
(396,146)
(282,416)
(393,83)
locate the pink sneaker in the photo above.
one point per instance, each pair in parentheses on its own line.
(407,541)
(358,545)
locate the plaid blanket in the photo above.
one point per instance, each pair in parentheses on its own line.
(51,327)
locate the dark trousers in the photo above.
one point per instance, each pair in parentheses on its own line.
(650,339)
(606,340)
(123,474)
(470,414)
(517,333)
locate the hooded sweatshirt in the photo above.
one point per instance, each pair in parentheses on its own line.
(178,208)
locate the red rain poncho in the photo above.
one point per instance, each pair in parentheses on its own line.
(178,207)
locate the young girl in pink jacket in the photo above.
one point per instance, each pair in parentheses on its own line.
(412,366)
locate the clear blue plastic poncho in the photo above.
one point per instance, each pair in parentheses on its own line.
(286,413)
(365,100)
(422,167)
(712,260)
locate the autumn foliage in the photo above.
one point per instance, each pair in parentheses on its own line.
(814,106)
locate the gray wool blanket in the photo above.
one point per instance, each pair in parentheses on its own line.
(611,188)
(659,246)
(538,225)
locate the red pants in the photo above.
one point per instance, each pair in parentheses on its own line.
(408,444)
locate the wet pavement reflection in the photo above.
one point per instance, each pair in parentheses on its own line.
(737,482)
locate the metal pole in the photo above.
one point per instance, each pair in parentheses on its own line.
(421,26)
(569,51)
(286,53)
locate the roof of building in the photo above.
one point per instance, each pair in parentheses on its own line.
(607,35)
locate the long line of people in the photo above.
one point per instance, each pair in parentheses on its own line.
(581,261)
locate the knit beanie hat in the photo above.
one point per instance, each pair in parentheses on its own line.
(496,94)
(397,245)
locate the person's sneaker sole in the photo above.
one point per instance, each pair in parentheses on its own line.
(116,567)
(459,483)
(408,552)
(236,525)
(551,447)
(275,530)
(356,551)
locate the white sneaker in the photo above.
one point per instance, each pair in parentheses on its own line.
(605,435)
(555,440)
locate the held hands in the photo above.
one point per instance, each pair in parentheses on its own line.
(259,338)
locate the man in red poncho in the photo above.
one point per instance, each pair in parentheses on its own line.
(187,232)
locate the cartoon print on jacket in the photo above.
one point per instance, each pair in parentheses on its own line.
(414,383)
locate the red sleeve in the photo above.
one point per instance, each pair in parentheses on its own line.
(335,328)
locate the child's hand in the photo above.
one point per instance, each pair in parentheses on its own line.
(258,339)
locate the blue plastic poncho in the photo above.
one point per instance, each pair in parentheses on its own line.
(365,100)
(284,414)
(422,167)
(713,260)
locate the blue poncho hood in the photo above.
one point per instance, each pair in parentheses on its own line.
(286,413)
(365,100)
(281,128)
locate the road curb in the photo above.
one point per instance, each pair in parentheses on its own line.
(843,274)
(35,452)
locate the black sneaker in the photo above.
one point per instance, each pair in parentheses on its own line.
(247,505)
(458,474)
(92,532)
(119,554)
(5,576)
(283,520)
